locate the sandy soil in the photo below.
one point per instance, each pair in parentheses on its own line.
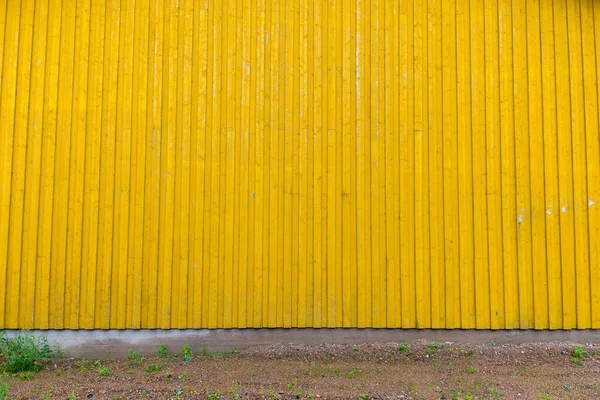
(416,370)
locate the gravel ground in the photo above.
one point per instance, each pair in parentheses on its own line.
(391,370)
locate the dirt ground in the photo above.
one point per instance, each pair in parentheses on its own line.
(415,370)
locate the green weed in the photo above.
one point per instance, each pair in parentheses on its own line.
(214,395)
(153,368)
(25,375)
(362,396)
(494,393)
(434,347)
(163,352)
(24,352)
(579,352)
(233,392)
(73,396)
(403,347)
(186,352)
(351,374)
(4,391)
(577,361)
(104,371)
(471,370)
(135,357)
(355,348)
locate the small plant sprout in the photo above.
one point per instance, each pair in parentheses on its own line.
(104,371)
(403,347)
(186,352)
(235,351)
(4,391)
(163,352)
(577,361)
(434,347)
(153,368)
(579,352)
(135,357)
(351,373)
(362,396)
(355,348)
(213,395)
(233,392)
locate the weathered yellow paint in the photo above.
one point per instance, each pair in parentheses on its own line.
(296,163)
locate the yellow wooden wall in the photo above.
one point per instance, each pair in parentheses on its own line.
(299,163)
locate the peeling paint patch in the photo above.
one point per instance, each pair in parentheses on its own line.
(591,202)
(563,209)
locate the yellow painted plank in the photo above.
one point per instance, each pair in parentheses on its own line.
(110,218)
(480,213)
(139,125)
(591,55)
(579,162)
(421,172)
(516,235)
(31,277)
(434,78)
(303,194)
(449,165)
(58,298)
(7,125)
(48,179)
(552,206)
(18,269)
(465,167)
(534,273)
(565,207)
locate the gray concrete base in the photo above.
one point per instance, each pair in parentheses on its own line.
(118,342)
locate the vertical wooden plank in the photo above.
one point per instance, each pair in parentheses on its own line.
(565,165)
(552,205)
(509,213)
(579,160)
(258,184)
(465,168)
(58,304)
(303,194)
(153,143)
(31,272)
(8,93)
(123,168)
(421,119)
(48,179)
(209,301)
(436,201)
(480,213)
(348,153)
(273,134)
(138,215)
(391,134)
(449,160)
(109,243)
(591,62)
(200,151)
(245,271)
(533,284)
(362,112)
(493,160)
(17,225)
(184,122)
(319,134)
